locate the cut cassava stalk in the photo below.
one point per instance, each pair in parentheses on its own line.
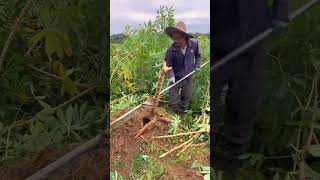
(182,145)
(163,119)
(188,145)
(181,134)
(185,147)
(175,148)
(200,144)
(154,102)
(165,69)
(144,139)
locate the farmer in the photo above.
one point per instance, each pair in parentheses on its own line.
(234,23)
(183,56)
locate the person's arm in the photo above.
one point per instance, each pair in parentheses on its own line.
(169,62)
(198,56)
(280,11)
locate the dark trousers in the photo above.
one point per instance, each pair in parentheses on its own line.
(184,95)
(244,77)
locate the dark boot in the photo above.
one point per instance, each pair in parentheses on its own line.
(183,109)
(175,109)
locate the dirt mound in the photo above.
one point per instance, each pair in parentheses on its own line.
(123,146)
(122,141)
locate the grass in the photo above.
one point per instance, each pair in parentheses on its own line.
(154,168)
(144,166)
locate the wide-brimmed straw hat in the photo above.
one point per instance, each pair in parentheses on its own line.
(180,28)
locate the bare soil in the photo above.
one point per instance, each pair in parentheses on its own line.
(122,142)
(181,171)
(123,147)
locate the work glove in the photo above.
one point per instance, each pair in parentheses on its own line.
(280,13)
(172,80)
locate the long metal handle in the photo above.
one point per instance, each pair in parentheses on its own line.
(169,87)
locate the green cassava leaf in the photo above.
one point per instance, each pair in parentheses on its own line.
(68,72)
(70,87)
(50,42)
(44,114)
(58,69)
(69,114)
(245,156)
(67,45)
(37,37)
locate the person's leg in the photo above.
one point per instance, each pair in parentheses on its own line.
(173,97)
(220,77)
(244,98)
(186,93)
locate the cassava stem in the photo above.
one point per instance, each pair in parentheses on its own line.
(165,69)
(154,118)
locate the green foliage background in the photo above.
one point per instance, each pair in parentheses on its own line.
(61,39)
(136,63)
(64,41)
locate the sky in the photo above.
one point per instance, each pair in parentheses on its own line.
(195,14)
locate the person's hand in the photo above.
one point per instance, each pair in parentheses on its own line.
(172,80)
(165,67)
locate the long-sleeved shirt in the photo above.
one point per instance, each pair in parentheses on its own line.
(183,64)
